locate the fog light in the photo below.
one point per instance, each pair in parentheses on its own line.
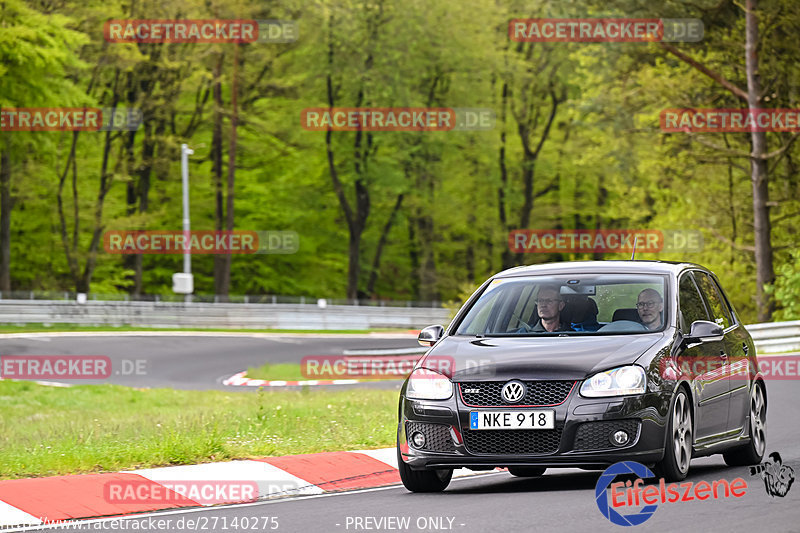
(620,438)
(418,439)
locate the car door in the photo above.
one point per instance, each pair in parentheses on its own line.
(710,385)
(736,349)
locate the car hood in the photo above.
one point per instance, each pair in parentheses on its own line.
(466,358)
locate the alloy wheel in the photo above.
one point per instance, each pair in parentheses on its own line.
(758,413)
(682,433)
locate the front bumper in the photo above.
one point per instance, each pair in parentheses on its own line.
(580,438)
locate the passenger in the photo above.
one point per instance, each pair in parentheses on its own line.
(549,305)
(650,306)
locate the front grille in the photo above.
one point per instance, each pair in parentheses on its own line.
(437,436)
(537,393)
(597,435)
(513,441)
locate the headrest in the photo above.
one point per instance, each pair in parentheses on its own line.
(626,313)
(579,308)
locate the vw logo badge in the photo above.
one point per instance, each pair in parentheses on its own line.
(513,391)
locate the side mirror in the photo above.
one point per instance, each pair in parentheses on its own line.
(704,331)
(429,336)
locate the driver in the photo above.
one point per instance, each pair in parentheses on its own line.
(650,306)
(549,305)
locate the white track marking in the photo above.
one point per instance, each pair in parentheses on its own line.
(272,481)
(10,515)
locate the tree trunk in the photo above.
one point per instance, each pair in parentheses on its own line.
(508,257)
(85,281)
(5,221)
(356,220)
(131,200)
(216,173)
(373,276)
(758,171)
(602,194)
(148,151)
(413,257)
(529,158)
(227,258)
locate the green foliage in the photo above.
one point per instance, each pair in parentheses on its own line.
(604,162)
(786,289)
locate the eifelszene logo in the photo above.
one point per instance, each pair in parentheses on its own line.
(601,494)
(633,494)
(778,477)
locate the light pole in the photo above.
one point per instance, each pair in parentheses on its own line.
(183,283)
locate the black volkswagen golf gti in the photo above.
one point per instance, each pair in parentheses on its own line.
(584,364)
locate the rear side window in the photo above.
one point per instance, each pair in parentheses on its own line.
(691,304)
(715,301)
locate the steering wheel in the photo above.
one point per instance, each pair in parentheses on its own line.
(527,327)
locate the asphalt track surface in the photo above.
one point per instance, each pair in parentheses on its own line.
(196,362)
(561,501)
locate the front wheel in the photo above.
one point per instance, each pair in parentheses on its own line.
(678,449)
(753,452)
(423,480)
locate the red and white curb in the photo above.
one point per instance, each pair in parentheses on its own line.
(34,501)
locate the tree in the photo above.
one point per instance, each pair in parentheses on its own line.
(36,53)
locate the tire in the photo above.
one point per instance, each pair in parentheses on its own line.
(753,452)
(526,471)
(680,439)
(423,480)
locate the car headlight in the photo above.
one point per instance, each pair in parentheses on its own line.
(424,384)
(615,382)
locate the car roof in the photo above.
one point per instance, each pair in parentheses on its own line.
(600,267)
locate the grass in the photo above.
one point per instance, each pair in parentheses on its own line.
(47,431)
(280,371)
(51,328)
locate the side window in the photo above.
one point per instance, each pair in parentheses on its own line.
(715,301)
(479,323)
(691,304)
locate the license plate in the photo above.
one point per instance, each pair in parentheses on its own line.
(541,419)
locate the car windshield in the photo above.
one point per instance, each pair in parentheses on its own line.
(583,304)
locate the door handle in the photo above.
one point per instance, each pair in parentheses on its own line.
(745,347)
(723,354)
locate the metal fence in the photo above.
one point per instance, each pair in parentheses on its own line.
(312,315)
(209,298)
(776,337)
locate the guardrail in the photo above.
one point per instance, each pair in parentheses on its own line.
(219,315)
(769,338)
(776,337)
